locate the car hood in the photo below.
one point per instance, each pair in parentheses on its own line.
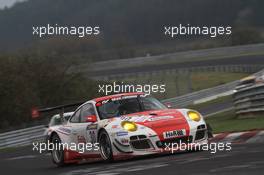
(160,120)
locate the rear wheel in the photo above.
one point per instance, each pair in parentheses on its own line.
(57,153)
(105,146)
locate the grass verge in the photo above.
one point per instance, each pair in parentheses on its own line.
(182,83)
(218,100)
(228,122)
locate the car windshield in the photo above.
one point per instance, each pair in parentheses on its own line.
(115,108)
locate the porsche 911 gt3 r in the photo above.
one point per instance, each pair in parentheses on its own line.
(125,125)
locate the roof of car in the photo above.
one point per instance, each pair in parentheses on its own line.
(116,96)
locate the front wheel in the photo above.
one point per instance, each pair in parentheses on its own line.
(57,152)
(105,146)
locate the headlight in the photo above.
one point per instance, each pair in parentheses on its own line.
(129,126)
(195,116)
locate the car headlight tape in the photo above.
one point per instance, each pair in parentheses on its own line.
(129,126)
(195,116)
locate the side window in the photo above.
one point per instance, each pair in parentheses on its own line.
(76,117)
(87,110)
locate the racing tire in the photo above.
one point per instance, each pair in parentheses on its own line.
(57,153)
(209,131)
(105,145)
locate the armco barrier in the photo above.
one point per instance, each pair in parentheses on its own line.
(249,99)
(28,135)
(189,99)
(21,137)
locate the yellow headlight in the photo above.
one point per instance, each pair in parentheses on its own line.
(195,116)
(129,126)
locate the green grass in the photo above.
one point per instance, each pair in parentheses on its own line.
(210,79)
(228,122)
(211,102)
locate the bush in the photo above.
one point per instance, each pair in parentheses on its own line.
(44,81)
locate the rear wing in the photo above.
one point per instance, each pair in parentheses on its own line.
(35,112)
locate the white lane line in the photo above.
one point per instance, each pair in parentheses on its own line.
(229,168)
(105,173)
(22,157)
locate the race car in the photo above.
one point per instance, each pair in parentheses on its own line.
(123,126)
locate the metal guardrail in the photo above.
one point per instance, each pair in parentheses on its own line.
(21,137)
(249,99)
(27,136)
(189,99)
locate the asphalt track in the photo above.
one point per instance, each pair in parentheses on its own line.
(246,158)
(242,159)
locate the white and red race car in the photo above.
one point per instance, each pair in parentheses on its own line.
(122,126)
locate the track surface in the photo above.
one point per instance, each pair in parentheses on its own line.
(242,159)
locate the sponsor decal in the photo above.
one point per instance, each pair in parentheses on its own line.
(152,119)
(172,134)
(119,98)
(64,130)
(136,118)
(114,126)
(121,133)
(141,118)
(144,118)
(91,127)
(125,118)
(142,127)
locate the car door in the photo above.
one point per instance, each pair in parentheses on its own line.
(88,116)
(84,128)
(77,135)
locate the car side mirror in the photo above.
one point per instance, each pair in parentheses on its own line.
(91,118)
(168,105)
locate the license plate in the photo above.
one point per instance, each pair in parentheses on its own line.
(175,133)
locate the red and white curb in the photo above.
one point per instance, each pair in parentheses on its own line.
(240,137)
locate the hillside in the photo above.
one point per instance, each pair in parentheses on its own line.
(124,24)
